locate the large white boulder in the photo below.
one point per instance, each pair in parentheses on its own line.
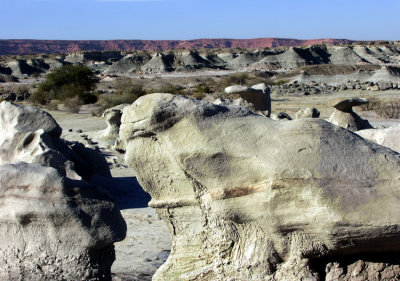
(249,198)
(389,137)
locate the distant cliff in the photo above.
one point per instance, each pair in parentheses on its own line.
(27,46)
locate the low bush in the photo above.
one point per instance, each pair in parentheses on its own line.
(373,104)
(389,109)
(168,88)
(73,104)
(385,108)
(203,88)
(128,87)
(66,83)
(107,101)
(126,91)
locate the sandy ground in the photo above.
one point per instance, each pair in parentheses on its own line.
(147,244)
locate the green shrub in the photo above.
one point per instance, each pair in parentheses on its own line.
(235,79)
(107,101)
(201,89)
(67,82)
(126,92)
(40,97)
(168,88)
(127,86)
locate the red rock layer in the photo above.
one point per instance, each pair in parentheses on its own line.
(26,46)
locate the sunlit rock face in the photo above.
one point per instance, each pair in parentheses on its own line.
(249,198)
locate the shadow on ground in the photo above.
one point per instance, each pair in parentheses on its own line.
(125,190)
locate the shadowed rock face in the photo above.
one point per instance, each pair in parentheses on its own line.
(53,225)
(249,198)
(55,228)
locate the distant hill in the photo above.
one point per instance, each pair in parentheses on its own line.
(28,46)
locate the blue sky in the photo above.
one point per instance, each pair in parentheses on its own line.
(191,19)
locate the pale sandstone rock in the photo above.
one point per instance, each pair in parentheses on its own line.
(257,98)
(345,117)
(307,112)
(31,135)
(53,227)
(389,137)
(249,198)
(113,119)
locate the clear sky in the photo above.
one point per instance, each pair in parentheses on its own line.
(191,19)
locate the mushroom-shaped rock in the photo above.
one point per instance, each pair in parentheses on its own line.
(53,227)
(307,112)
(257,98)
(389,137)
(345,117)
(346,105)
(31,135)
(305,193)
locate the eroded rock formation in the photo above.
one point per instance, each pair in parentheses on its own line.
(113,118)
(53,225)
(307,112)
(31,135)
(249,198)
(345,117)
(256,98)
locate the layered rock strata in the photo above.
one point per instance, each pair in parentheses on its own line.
(249,198)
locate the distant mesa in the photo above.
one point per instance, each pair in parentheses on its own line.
(29,46)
